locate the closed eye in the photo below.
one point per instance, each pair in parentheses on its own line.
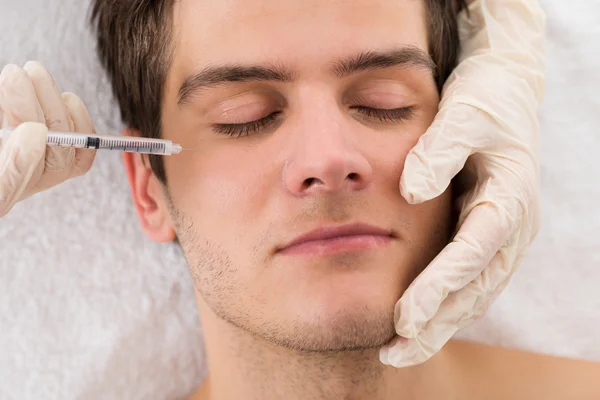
(394,115)
(386,115)
(247,128)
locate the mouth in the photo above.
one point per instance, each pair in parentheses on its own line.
(329,240)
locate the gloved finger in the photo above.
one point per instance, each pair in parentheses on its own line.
(459,310)
(59,160)
(390,353)
(485,303)
(469,303)
(485,230)
(49,97)
(442,151)
(21,162)
(82,122)
(18,99)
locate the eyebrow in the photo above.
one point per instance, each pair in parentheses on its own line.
(404,57)
(366,61)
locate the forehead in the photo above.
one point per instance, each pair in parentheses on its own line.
(302,33)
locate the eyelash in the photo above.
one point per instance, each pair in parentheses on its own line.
(248,128)
(383,115)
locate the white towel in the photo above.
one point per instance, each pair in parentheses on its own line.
(91,309)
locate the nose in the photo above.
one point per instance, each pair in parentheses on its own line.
(325,159)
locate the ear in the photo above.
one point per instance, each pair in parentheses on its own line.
(148,196)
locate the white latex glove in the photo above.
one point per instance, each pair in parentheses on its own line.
(31,102)
(488,115)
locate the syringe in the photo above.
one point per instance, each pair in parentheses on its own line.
(108,142)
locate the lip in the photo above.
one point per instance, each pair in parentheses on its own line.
(328,240)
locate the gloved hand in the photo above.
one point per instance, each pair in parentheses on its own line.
(31,103)
(488,115)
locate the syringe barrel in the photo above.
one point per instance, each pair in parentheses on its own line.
(108,142)
(122,143)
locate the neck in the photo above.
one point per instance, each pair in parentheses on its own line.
(243,366)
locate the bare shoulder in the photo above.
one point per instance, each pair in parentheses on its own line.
(201,393)
(492,372)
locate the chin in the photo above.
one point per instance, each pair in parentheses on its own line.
(348,329)
(339,318)
(377,287)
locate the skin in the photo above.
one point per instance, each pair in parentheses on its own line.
(234,201)
(296,325)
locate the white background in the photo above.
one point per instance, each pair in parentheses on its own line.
(91,309)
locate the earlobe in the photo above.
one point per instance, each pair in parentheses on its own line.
(148,197)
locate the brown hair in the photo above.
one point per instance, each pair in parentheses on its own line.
(134,47)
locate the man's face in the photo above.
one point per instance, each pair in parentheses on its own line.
(301,114)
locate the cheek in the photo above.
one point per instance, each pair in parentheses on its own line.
(389,152)
(432,222)
(220,190)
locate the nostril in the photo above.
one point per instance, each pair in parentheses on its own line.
(308,182)
(354,177)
